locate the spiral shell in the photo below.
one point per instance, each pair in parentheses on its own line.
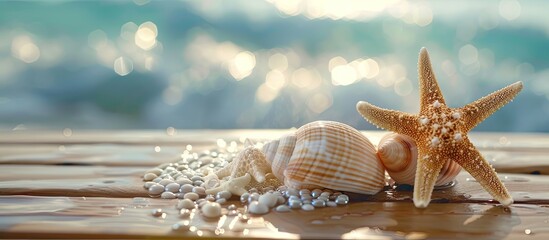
(398,153)
(325,154)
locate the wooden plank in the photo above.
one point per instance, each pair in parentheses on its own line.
(100,181)
(63,217)
(505,159)
(90,181)
(483,140)
(93,154)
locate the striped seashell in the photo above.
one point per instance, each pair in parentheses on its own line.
(398,153)
(278,153)
(325,154)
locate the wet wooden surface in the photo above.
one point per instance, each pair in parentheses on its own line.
(88,185)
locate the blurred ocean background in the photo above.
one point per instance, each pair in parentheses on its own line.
(145,64)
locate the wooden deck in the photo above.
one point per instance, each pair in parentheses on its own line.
(88,185)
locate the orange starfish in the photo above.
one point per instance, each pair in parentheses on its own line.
(441,133)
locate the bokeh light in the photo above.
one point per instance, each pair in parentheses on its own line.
(145,36)
(123,66)
(23,48)
(242,65)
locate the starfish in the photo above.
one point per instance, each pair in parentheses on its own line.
(233,185)
(441,133)
(250,160)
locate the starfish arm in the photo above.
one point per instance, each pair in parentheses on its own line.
(215,190)
(475,112)
(236,185)
(396,121)
(471,160)
(258,163)
(225,171)
(429,92)
(427,171)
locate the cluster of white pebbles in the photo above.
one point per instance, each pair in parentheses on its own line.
(189,178)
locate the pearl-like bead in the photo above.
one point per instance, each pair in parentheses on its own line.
(256,207)
(211,209)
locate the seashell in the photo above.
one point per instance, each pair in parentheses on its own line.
(398,153)
(326,154)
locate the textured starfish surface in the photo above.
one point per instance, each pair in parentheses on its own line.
(441,133)
(250,160)
(234,185)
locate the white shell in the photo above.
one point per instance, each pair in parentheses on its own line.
(398,153)
(279,152)
(325,154)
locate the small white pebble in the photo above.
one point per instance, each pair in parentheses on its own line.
(306,197)
(149,176)
(156,171)
(156,189)
(197,178)
(268,199)
(244,197)
(185,188)
(183,181)
(295,203)
(224,194)
(319,203)
(304,192)
(346,197)
(157,212)
(172,187)
(253,197)
(192,196)
(221,200)
(331,204)
(210,198)
(316,193)
(256,207)
(147,185)
(293,197)
(167,195)
(308,207)
(157,180)
(323,198)
(165,182)
(291,192)
(185,204)
(341,201)
(211,209)
(282,208)
(199,190)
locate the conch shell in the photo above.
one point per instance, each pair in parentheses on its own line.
(398,153)
(325,154)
